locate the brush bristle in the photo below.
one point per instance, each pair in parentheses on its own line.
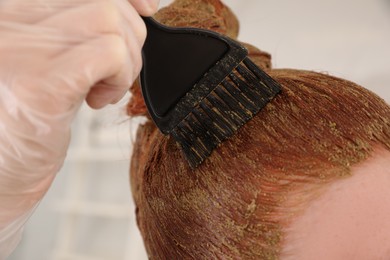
(229,106)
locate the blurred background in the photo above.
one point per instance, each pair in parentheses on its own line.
(88,213)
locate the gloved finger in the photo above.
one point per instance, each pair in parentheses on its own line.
(110,21)
(103,93)
(112,89)
(104,61)
(99,17)
(145,7)
(33,11)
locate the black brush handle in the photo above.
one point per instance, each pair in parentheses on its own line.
(175,64)
(174,60)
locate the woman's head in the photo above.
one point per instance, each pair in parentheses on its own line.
(245,198)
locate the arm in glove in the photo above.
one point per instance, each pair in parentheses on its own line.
(53,56)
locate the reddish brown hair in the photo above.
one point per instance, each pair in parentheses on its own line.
(236,203)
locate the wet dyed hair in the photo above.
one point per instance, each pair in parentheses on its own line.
(237,204)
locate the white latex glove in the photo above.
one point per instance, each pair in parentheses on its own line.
(54,54)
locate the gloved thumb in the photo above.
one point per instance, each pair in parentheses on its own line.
(145,7)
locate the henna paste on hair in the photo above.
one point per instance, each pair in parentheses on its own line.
(236,204)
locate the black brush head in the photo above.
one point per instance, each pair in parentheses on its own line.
(200,87)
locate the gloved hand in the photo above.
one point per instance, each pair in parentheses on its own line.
(54,54)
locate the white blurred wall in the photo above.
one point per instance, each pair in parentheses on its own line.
(348,38)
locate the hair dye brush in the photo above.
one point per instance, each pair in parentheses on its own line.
(200,87)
